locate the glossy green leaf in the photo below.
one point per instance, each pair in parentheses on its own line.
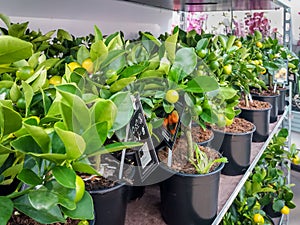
(74,143)
(74,110)
(5,150)
(278,205)
(63,35)
(44,216)
(26,144)
(114,147)
(84,167)
(132,70)
(186,59)
(95,136)
(171,45)
(202,84)
(15,92)
(84,209)
(98,34)
(6,211)
(40,136)
(82,54)
(104,110)
(112,56)
(152,38)
(6,83)
(124,105)
(10,120)
(29,177)
(14,49)
(40,81)
(121,84)
(42,199)
(64,176)
(202,44)
(64,195)
(98,51)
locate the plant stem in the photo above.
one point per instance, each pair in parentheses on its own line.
(189,142)
(20,193)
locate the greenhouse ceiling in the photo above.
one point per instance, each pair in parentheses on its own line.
(210,5)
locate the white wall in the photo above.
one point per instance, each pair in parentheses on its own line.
(79,17)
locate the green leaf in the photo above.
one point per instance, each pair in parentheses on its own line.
(152,38)
(83,167)
(26,144)
(98,34)
(124,109)
(202,84)
(84,209)
(132,70)
(42,199)
(186,59)
(104,110)
(95,136)
(112,56)
(14,49)
(121,84)
(64,195)
(6,211)
(5,19)
(114,147)
(63,35)
(82,54)
(48,216)
(227,92)
(75,112)
(74,143)
(40,136)
(64,176)
(278,205)
(29,177)
(98,51)
(202,44)
(40,81)
(170,44)
(10,120)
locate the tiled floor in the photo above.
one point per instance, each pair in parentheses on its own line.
(295,179)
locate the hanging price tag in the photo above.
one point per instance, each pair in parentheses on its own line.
(138,131)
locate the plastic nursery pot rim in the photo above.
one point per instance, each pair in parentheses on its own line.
(256,110)
(217,170)
(109,189)
(236,134)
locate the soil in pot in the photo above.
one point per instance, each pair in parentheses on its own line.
(21,219)
(108,192)
(258,113)
(188,197)
(268,96)
(234,142)
(202,136)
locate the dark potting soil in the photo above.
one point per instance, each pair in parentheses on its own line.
(97,182)
(22,219)
(200,135)
(239,125)
(254,105)
(264,92)
(180,161)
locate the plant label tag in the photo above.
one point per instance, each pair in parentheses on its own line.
(280,76)
(146,155)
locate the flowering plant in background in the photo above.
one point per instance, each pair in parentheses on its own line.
(195,21)
(259,22)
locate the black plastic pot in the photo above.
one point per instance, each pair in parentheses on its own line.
(281,100)
(137,190)
(236,147)
(273,100)
(190,198)
(270,211)
(260,118)
(110,205)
